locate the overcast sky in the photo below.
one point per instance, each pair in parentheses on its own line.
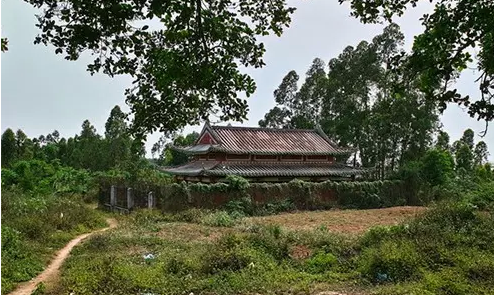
(42,92)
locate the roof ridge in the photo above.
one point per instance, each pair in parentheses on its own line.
(264,128)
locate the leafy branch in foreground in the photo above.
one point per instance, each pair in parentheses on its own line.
(184,56)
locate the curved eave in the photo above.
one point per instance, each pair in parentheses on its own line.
(205,149)
(200,149)
(286,173)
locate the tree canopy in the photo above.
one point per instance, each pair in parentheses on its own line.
(86,150)
(353,100)
(184,56)
(454,30)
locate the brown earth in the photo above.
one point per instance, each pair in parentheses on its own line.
(50,274)
(340,221)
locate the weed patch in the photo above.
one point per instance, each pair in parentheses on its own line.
(33,227)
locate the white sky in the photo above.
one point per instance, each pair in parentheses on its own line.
(42,92)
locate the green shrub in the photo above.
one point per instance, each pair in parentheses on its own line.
(242,206)
(9,178)
(483,196)
(321,262)
(447,281)
(395,261)
(230,260)
(18,261)
(219,218)
(480,268)
(177,266)
(190,215)
(72,181)
(228,254)
(40,289)
(237,183)
(272,241)
(275,207)
(378,234)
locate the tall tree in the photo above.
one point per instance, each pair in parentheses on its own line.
(298,108)
(442,142)
(464,157)
(90,151)
(117,138)
(24,146)
(481,153)
(169,156)
(4,47)
(280,116)
(9,147)
(437,167)
(308,100)
(468,138)
(452,32)
(53,137)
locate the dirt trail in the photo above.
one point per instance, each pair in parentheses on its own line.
(51,272)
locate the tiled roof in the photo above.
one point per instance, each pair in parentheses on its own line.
(192,168)
(267,141)
(265,169)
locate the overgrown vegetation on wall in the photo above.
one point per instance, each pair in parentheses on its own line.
(302,195)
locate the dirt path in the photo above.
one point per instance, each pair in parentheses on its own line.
(51,272)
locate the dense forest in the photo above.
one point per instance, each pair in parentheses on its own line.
(87,150)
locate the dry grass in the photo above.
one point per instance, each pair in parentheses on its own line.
(192,232)
(340,221)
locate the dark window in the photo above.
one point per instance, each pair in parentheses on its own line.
(292,157)
(266,157)
(317,157)
(237,157)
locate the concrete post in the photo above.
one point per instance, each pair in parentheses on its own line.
(150,200)
(130,199)
(113,193)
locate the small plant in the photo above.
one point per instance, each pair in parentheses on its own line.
(237,183)
(242,206)
(40,289)
(321,262)
(177,266)
(219,218)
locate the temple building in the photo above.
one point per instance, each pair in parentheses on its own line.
(264,155)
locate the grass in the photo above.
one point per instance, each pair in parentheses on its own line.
(445,250)
(235,262)
(34,227)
